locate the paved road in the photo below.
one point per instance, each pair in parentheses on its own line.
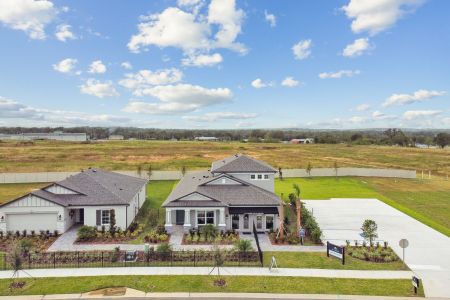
(428,254)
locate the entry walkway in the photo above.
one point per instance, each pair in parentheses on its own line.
(226,271)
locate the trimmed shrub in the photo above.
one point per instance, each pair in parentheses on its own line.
(243,246)
(86,233)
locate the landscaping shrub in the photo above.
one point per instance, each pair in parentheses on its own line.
(85,233)
(164,248)
(243,246)
(372,254)
(293,239)
(209,232)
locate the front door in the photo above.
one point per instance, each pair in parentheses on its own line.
(81,216)
(180,217)
(235,222)
(246,222)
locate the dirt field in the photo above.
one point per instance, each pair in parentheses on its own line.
(165,155)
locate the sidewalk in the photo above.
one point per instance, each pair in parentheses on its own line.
(226,271)
(131,294)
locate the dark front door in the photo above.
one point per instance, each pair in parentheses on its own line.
(180,217)
(81,220)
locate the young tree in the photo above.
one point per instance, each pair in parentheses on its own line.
(280,172)
(335,166)
(112,222)
(139,170)
(369,230)
(308,169)
(183,170)
(149,171)
(298,204)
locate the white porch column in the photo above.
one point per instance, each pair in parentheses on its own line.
(187,219)
(168,224)
(222,224)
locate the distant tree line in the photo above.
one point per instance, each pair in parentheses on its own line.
(391,136)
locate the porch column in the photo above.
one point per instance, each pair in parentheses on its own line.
(187,219)
(168,224)
(222,224)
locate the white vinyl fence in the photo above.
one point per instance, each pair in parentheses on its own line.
(173,175)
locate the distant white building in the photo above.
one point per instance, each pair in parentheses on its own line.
(206,138)
(57,136)
(116,137)
(302,141)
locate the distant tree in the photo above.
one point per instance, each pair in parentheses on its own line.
(139,170)
(183,170)
(280,172)
(335,166)
(355,137)
(369,230)
(442,139)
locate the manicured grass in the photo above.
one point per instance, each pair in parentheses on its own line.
(9,191)
(319,260)
(204,284)
(167,155)
(151,212)
(425,200)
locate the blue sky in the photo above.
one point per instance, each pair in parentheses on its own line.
(225,64)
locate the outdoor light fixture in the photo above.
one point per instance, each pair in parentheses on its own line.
(2,219)
(59,217)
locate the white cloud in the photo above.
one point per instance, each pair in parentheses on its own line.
(243,124)
(97,67)
(66,65)
(179,98)
(290,82)
(214,116)
(194,34)
(64,33)
(29,16)
(302,49)
(339,74)
(258,83)
(376,16)
(146,78)
(126,65)
(188,2)
(202,60)
(415,114)
(363,107)
(357,48)
(99,89)
(417,96)
(270,18)
(357,120)
(378,115)
(10,109)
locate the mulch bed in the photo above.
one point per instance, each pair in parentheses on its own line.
(7,245)
(223,243)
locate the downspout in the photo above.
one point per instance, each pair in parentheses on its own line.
(126,217)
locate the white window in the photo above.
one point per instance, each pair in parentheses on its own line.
(266,176)
(106,217)
(205,217)
(253,176)
(259,176)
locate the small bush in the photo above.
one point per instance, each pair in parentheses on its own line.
(86,233)
(164,248)
(316,233)
(243,246)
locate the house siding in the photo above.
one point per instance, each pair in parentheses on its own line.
(267,184)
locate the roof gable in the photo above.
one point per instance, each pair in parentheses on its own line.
(224,180)
(239,163)
(195,197)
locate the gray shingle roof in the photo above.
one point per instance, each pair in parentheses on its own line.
(239,163)
(243,194)
(95,187)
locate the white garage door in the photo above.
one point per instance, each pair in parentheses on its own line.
(36,222)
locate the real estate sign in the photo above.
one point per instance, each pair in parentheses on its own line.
(336,251)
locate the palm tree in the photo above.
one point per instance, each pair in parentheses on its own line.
(298,205)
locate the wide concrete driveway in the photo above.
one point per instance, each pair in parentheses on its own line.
(428,254)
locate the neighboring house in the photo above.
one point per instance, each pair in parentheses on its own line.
(206,138)
(237,192)
(57,136)
(302,141)
(116,137)
(87,198)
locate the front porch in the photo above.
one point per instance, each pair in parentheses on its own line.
(190,217)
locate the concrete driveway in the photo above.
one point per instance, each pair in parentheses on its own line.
(428,254)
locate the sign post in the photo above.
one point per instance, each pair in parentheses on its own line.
(336,251)
(416,283)
(403,243)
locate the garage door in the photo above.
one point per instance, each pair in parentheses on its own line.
(36,222)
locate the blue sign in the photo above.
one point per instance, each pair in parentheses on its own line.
(302,232)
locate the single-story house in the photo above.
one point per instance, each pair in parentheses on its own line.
(237,192)
(87,198)
(302,141)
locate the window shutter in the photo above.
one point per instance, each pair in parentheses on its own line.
(99,217)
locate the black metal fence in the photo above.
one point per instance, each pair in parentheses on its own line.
(260,253)
(46,260)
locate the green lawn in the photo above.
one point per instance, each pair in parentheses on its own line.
(425,200)
(203,284)
(319,260)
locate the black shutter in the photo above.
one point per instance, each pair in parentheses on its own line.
(99,217)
